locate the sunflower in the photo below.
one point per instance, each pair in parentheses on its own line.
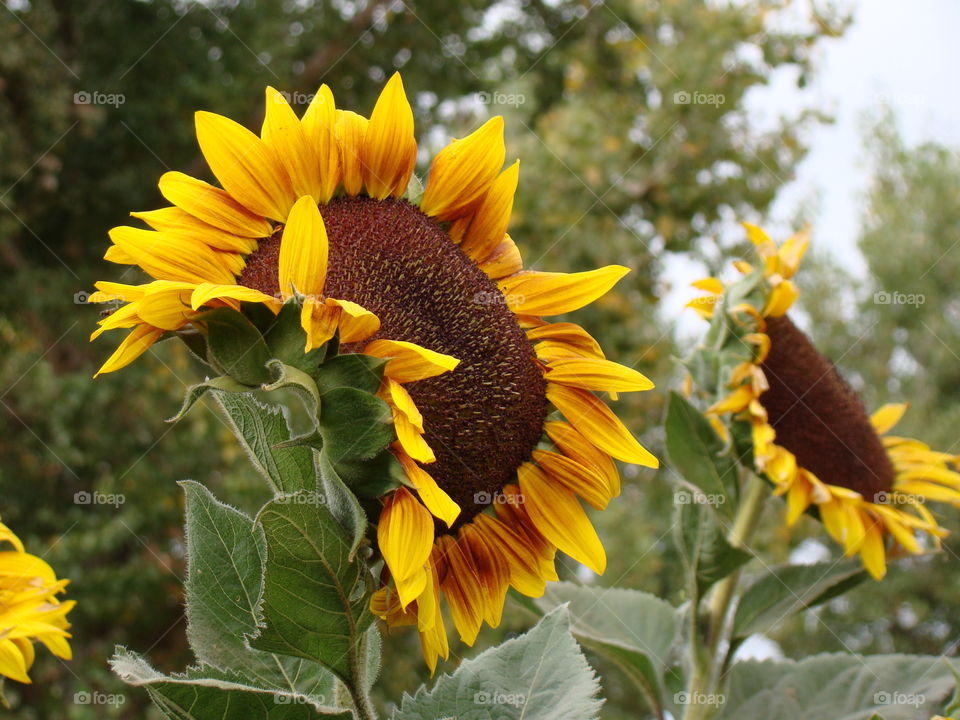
(29,609)
(316,209)
(810,434)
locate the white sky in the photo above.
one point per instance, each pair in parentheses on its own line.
(902,54)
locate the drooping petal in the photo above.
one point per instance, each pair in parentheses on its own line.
(580,479)
(522,562)
(546,293)
(463,171)
(599,425)
(133,346)
(319,322)
(283,133)
(355,323)
(405,538)
(245,165)
(213,206)
(872,552)
(492,570)
(408,361)
(557,514)
(350,131)
(884,419)
(564,339)
(231,295)
(303,251)
(433,496)
(572,443)
(389,147)
(462,587)
(319,123)
(503,261)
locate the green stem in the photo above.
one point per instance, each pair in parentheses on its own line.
(707,666)
(362,705)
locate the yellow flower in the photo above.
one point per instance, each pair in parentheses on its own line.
(314,208)
(29,609)
(810,433)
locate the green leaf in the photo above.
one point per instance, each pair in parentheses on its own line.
(261,430)
(207,694)
(342,503)
(224,383)
(703,544)
(541,675)
(237,346)
(635,630)
(225,552)
(372,478)
(363,372)
(788,589)
(287,376)
(355,425)
(695,451)
(315,602)
(839,687)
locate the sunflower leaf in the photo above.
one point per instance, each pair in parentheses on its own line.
(635,630)
(315,601)
(342,503)
(205,693)
(696,453)
(788,589)
(703,544)
(355,424)
(235,345)
(541,675)
(224,383)
(839,687)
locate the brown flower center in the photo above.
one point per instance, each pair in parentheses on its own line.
(818,417)
(483,419)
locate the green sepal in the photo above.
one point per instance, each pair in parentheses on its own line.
(287,340)
(195,392)
(287,376)
(372,478)
(354,370)
(236,346)
(355,425)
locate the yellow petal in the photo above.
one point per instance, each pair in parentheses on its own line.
(12,662)
(557,514)
(408,362)
(542,293)
(872,552)
(213,206)
(522,563)
(399,399)
(792,252)
(463,171)
(781,299)
(596,374)
(405,538)
(577,478)
(736,401)
(411,439)
(350,131)
(167,308)
(168,257)
(174,221)
(798,500)
(489,224)
(492,570)
(461,585)
(572,443)
(433,496)
(710,284)
(503,261)
(207,292)
(510,509)
(246,167)
(285,136)
(319,322)
(303,251)
(598,424)
(319,124)
(389,148)
(132,347)
(884,419)
(568,338)
(356,323)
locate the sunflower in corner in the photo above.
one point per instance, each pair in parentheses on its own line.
(789,414)
(499,429)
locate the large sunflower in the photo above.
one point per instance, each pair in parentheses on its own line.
(314,209)
(809,432)
(29,609)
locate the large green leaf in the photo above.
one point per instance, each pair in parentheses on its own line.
(204,693)
(838,687)
(315,602)
(225,552)
(541,675)
(695,451)
(261,429)
(634,629)
(788,589)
